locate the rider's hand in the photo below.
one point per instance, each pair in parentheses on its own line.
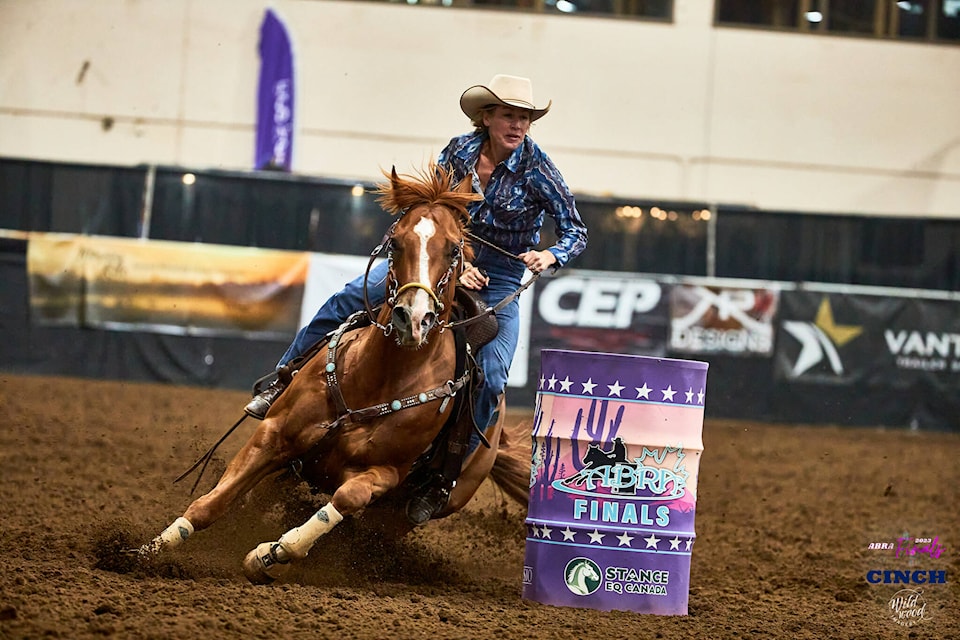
(473,278)
(538,261)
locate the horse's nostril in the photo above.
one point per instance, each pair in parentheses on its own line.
(429,319)
(401,319)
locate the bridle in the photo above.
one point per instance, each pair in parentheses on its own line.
(393,292)
(386,244)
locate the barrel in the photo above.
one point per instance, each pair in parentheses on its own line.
(617,441)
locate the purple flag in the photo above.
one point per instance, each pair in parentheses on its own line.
(274,97)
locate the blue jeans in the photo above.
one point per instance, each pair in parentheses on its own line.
(494,358)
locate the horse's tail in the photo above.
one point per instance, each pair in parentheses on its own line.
(511,469)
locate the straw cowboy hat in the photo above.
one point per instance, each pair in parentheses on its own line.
(510,91)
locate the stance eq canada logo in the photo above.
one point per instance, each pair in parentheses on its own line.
(582,576)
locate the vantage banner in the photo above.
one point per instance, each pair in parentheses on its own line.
(878,341)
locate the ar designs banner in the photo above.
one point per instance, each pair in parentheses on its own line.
(165,287)
(275,95)
(706,320)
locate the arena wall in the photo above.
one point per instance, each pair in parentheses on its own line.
(681,110)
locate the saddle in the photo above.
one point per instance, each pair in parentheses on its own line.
(480,325)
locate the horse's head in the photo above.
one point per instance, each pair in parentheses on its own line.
(426,251)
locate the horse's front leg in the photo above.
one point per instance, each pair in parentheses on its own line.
(260,456)
(270,560)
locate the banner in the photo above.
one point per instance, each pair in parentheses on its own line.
(719,320)
(594,311)
(164,287)
(875,340)
(591,311)
(275,97)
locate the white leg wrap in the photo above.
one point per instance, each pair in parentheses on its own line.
(172,536)
(299,540)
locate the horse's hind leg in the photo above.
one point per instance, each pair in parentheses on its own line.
(270,560)
(253,462)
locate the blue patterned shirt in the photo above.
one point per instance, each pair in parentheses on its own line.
(520,191)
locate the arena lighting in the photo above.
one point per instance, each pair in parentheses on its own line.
(566,6)
(625,212)
(658,213)
(357,190)
(814,16)
(188,179)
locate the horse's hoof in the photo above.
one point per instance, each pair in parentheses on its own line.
(266,563)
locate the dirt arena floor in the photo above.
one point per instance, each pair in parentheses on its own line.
(785,518)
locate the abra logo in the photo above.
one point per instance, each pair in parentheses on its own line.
(582,576)
(613,474)
(819,339)
(907,607)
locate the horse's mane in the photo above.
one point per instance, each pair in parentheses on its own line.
(433,185)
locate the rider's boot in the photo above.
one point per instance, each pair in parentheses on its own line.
(432,496)
(261,403)
(429,501)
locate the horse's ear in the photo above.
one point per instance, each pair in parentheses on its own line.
(394,178)
(464,186)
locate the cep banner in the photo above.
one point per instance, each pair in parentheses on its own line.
(721,320)
(164,287)
(597,311)
(275,97)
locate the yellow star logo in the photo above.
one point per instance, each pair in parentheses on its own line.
(840,334)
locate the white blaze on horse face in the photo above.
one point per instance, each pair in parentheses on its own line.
(425,229)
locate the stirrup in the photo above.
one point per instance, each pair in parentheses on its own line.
(261,403)
(424,506)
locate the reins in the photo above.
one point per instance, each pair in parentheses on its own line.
(507,300)
(445,392)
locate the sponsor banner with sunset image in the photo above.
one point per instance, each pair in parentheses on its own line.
(165,287)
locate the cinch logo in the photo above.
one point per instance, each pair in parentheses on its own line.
(613,474)
(906,577)
(819,339)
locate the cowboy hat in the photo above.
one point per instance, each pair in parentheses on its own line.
(510,91)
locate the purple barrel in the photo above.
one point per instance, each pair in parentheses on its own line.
(617,441)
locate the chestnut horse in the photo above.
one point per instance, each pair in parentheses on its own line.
(400,369)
